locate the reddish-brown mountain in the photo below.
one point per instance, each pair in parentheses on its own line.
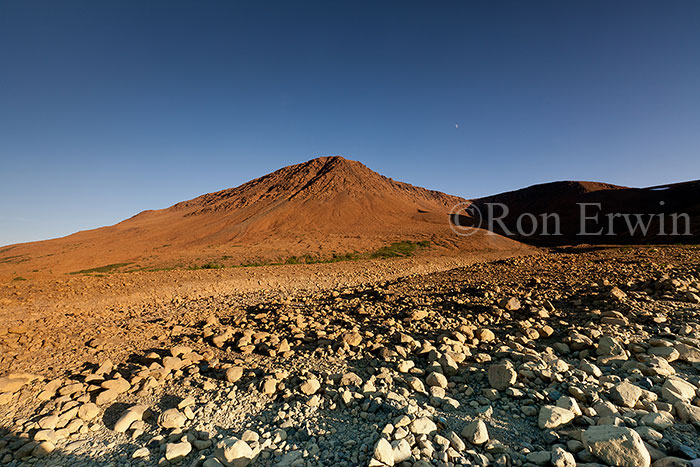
(322,207)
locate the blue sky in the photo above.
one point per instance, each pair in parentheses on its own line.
(110,108)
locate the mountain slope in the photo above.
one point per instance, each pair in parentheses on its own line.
(322,207)
(630,205)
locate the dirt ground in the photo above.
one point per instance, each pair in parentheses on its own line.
(46,323)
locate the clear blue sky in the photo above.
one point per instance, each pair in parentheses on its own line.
(110,108)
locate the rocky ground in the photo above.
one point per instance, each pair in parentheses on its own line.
(567,358)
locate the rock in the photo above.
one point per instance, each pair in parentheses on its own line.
(233,374)
(188,401)
(402,450)
(175,452)
(672,462)
(43,449)
(48,422)
(687,352)
(436,379)
(422,426)
(415,384)
(172,419)
(510,304)
(105,397)
(448,365)
(290,459)
(456,442)
(676,389)
(350,379)
(212,462)
(688,413)
(46,435)
(268,385)
(608,346)
(658,421)
(119,385)
(141,453)
(310,386)
(383,452)
(129,416)
(233,452)
(591,369)
(562,458)
(476,432)
(617,446)
(249,436)
(50,389)
(351,338)
(14,381)
(668,353)
(553,417)
(539,457)
(692,297)
(501,376)
(617,294)
(485,335)
(88,411)
(569,403)
(219,340)
(417,315)
(626,394)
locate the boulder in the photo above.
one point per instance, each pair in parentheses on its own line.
(310,386)
(172,419)
(552,416)
(501,376)
(422,426)
(384,452)
(476,432)
(175,452)
(616,445)
(233,374)
(129,416)
(233,452)
(626,394)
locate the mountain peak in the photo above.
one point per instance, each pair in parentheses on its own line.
(321,179)
(325,165)
(324,206)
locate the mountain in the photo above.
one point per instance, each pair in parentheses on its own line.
(324,207)
(639,215)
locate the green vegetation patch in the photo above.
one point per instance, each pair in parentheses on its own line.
(395,250)
(102,269)
(207,266)
(16,259)
(400,249)
(5,250)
